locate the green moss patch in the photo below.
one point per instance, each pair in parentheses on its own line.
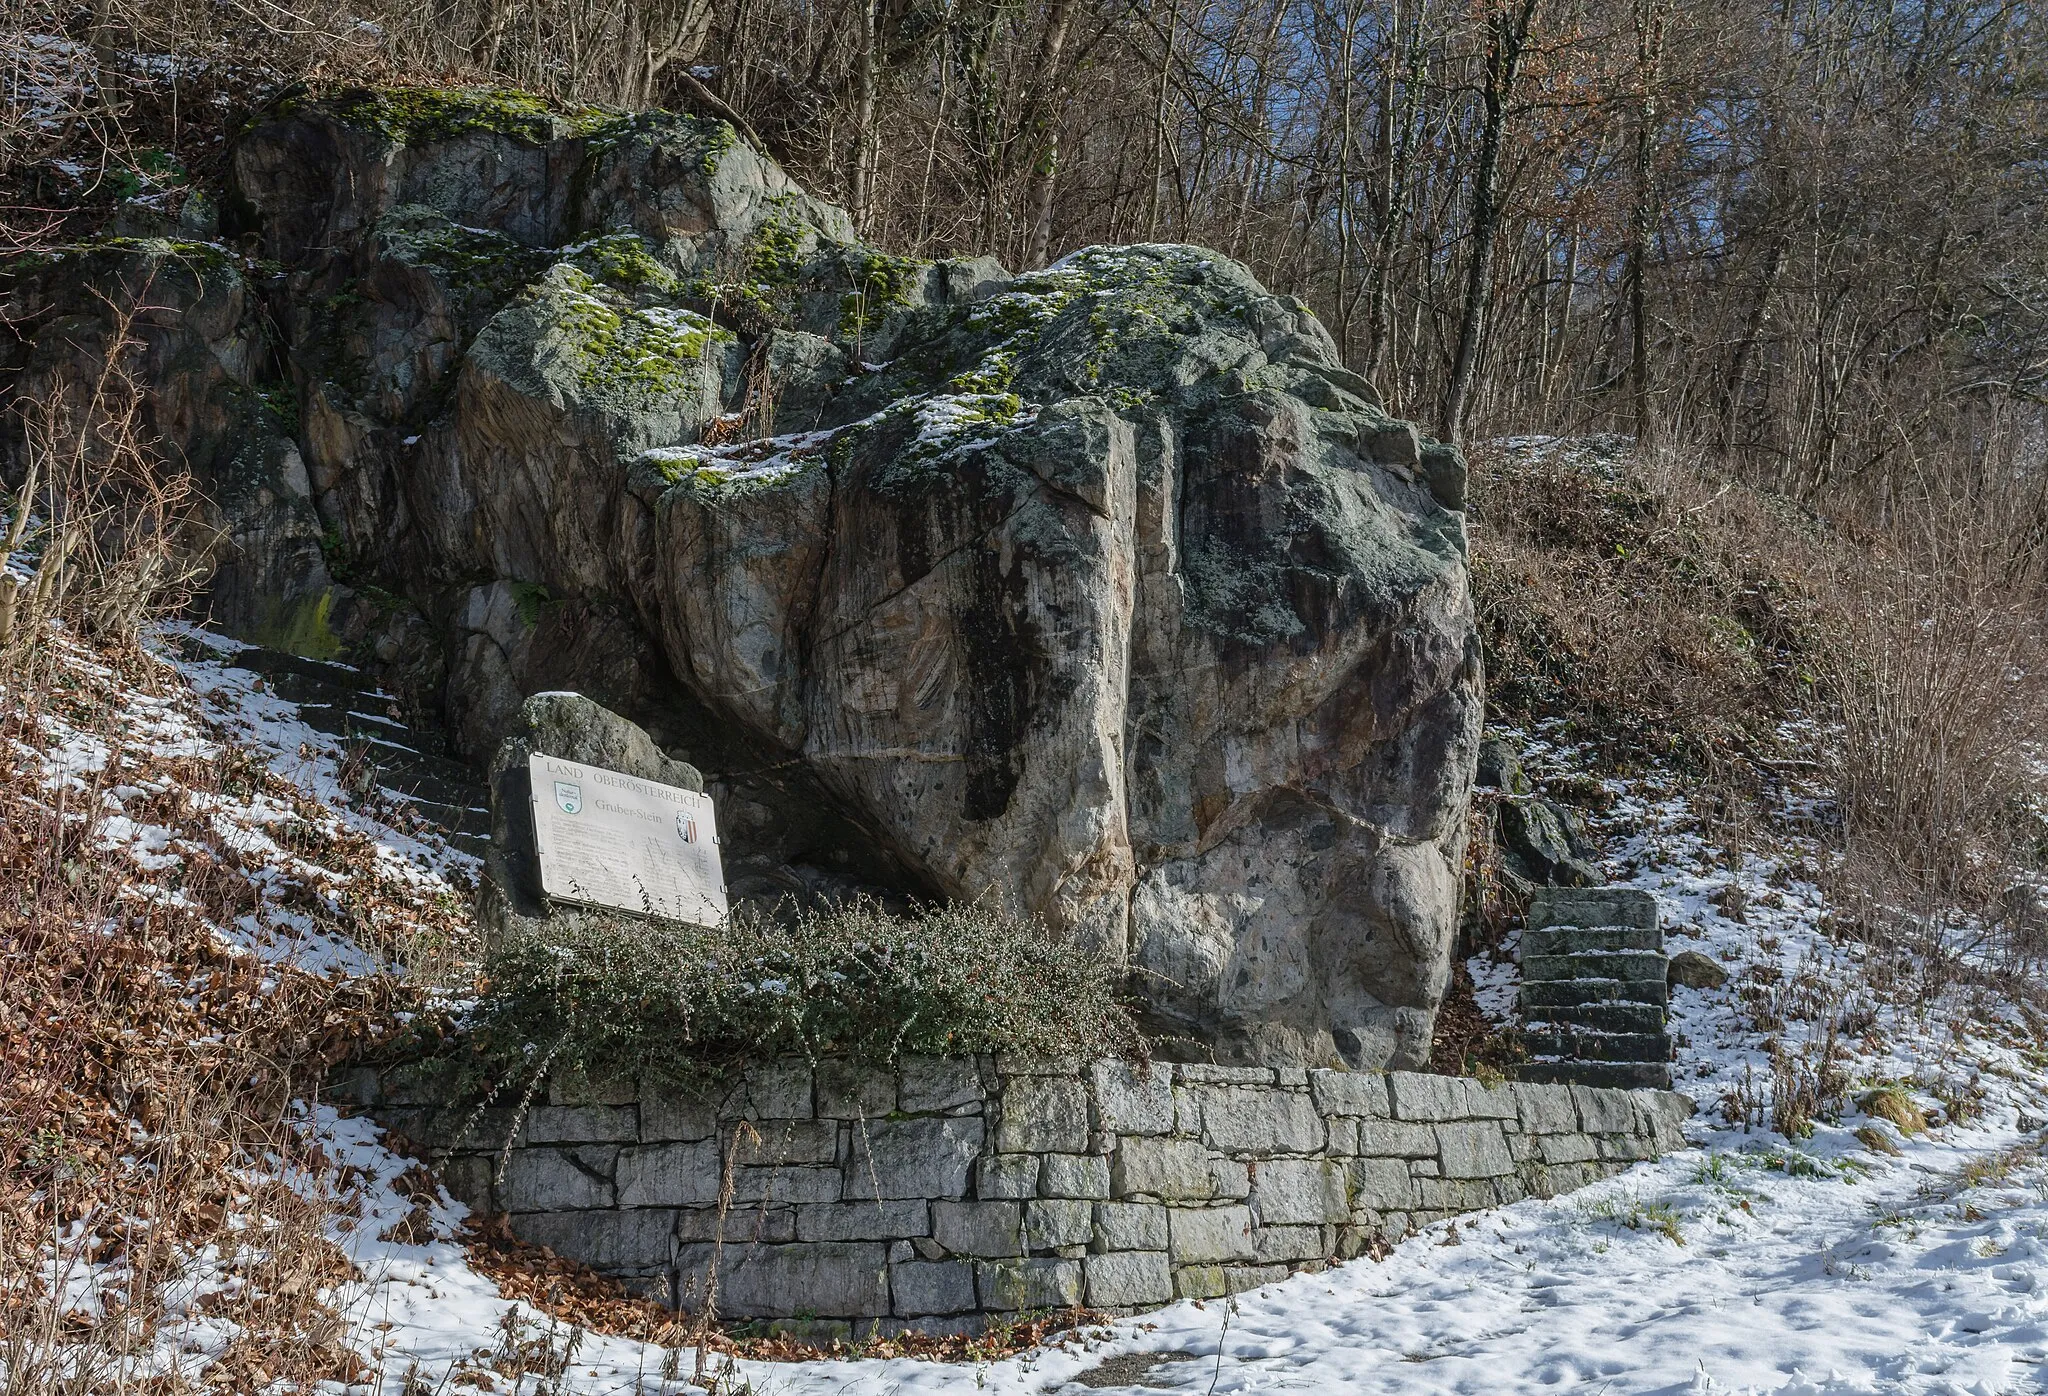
(619,351)
(423,115)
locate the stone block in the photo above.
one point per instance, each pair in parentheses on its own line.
(668,1175)
(673,1113)
(639,1238)
(928,1157)
(1594,964)
(1660,1116)
(1237,1279)
(1051,1224)
(937,1085)
(922,1288)
(791,1143)
(863,1221)
(1287,1244)
(1006,1176)
(1170,1169)
(774,1091)
(1018,1064)
(1490,1102)
(1392,1139)
(1043,1114)
(1567,1176)
(1244,1119)
(1343,1134)
(848,1279)
(1199,1282)
(430,1082)
(788,1186)
(1626,1148)
(1619,1076)
(1603,1111)
(582,1124)
(468,1180)
(850,1091)
(1554,1149)
(1130,1226)
(1545,1109)
(1299,1191)
(455,1126)
(1474,1150)
(1201,1235)
(1418,1096)
(1591,906)
(979,1228)
(1349,1092)
(1129,1279)
(1456,1194)
(1202,1074)
(553,1180)
(1229,1178)
(1540,999)
(1383,1184)
(742,1226)
(1579,940)
(1009,1285)
(1132,1099)
(573,1088)
(1074,1175)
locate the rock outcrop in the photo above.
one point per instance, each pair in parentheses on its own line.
(1104,590)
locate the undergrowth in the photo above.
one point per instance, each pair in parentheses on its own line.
(616,997)
(157,1183)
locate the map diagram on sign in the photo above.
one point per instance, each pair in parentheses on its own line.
(609,839)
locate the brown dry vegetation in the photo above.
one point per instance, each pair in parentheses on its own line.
(1664,608)
(148,1069)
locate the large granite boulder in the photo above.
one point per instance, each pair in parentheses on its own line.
(1105,591)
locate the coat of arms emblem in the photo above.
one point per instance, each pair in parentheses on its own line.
(569,795)
(687,827)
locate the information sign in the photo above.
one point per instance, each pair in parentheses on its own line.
(608,839)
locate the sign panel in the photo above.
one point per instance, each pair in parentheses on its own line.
(607,839)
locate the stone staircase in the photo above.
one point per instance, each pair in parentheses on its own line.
(1593,988)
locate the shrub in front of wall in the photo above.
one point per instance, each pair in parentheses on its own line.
(616,997)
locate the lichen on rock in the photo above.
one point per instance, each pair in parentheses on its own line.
(1105,592)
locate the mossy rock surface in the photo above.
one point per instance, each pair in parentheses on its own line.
(425,115)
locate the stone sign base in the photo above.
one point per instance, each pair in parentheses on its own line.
(946,1192)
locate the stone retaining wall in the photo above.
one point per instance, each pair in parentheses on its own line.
(936,1195)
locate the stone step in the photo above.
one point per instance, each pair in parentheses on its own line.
(1578,940)
(1601,1017)
(1584,1044)
(1571,993)
(1592,906)
(1622,1075)
(1642,965)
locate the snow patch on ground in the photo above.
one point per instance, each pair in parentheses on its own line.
(1746,1264)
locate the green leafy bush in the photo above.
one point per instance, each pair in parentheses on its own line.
(614,997)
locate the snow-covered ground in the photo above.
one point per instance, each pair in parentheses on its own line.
(1748,1263)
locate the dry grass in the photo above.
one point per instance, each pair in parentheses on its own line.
(147,1067)
(1667,610)
(1648,602)
(144,1071)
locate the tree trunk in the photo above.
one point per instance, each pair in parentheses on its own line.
(1642,222)
(1508,39)
(1051,109)
(864,117)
